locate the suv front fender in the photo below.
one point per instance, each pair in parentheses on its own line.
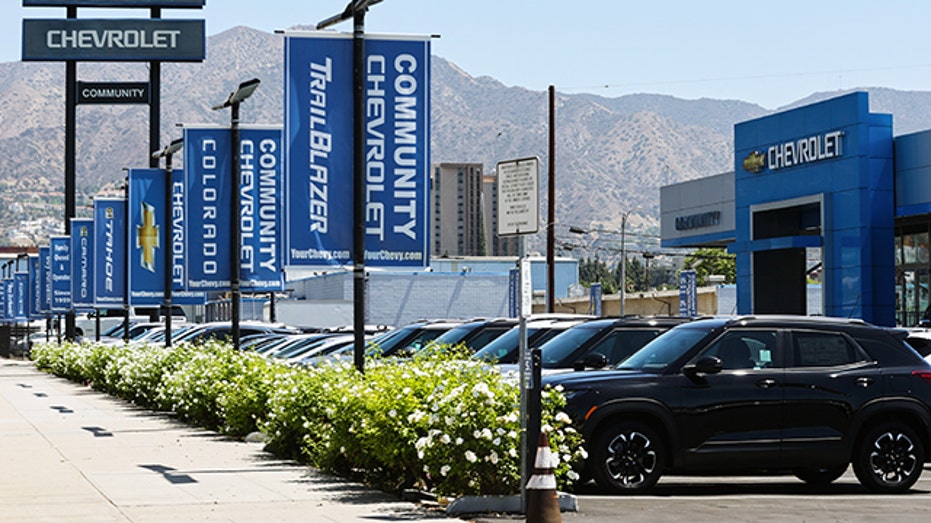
(645,410)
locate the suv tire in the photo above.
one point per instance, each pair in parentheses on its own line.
(889,458)
(628,458)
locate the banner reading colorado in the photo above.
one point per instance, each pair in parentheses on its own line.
(21,296)
(207,158)
(110,252)
(35,287)
(82,266)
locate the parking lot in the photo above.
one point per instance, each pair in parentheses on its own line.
(755,498)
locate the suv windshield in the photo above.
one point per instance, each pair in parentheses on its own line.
(569,341)
(664,350)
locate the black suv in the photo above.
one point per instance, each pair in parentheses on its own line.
(800,395)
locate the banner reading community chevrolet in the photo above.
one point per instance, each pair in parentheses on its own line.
(319,155)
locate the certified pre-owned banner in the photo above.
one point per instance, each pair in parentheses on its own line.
(61,273)
(110,247)
(82,265)
(120,40)
(318,127)
(150,236)
(208,158)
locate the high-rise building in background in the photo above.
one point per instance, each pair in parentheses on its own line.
(464,213)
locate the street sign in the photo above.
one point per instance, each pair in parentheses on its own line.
(117,40)
(114,93)
(518,183)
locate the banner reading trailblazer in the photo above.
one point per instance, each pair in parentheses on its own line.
(207,160)
(318,127)
(110,252)
(148,240)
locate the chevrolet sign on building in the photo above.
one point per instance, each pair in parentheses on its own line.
(121,40)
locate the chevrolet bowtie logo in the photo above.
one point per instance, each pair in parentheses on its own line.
(754,162)
(147,237)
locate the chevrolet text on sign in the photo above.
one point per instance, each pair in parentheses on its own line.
(122,40)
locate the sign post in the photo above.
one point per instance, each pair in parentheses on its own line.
(518,184)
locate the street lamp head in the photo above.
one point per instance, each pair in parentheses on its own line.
(242,92)
(169,149)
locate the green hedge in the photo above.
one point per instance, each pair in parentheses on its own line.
(437,422)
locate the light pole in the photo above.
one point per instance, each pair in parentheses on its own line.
(235,98)
(167,153)
(356,10)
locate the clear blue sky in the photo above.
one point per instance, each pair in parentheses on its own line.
(769,53)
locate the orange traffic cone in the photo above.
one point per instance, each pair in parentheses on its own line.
(542,499)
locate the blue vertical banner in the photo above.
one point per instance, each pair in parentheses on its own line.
(35,288)
(149,235)
(110,252)
(261,178)
(208,160)
(45,280)
(21,296)
(4,303)
(8,299)
(82,266)
(61,273)
(207,167)
(513,293)
(319,155)
(688,294)
(595,299)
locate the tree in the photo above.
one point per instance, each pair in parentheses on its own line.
(709,261)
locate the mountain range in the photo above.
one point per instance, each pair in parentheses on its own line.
(612,154)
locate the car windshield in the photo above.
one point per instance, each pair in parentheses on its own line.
(504,348)
(657,355)
(456,334)
(569,341)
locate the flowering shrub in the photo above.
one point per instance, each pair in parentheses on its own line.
(437,421)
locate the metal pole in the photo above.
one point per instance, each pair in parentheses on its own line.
(623,263)
(71,88)
(167,247)
(235,294)
(358,183)
(551,211)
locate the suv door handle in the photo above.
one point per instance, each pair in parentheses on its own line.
(766,383)
(864,381)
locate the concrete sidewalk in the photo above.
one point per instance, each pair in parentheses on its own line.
(68,453)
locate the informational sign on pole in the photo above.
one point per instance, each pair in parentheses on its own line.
(518,196)
(61,273)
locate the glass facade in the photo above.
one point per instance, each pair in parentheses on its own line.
(912,271)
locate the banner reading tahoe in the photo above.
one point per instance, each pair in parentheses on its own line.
(319,158)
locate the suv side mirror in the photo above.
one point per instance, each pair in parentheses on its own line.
(595,360)
(705,365)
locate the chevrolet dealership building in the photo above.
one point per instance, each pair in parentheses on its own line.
(828,179)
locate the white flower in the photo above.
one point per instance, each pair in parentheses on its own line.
(573,475)
(493,458)
(459,441)
(444,470)
(562,417)
(486,433)
(470,456)
(445,439)
(392,413)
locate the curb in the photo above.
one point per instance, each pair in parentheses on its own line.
(502,504)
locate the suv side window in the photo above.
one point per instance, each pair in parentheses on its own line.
(744,349)
(620,344)
(823,349)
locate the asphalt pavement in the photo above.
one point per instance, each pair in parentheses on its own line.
(69,453)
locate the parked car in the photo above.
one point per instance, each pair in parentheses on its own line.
(410,338)
(474,334)
(505,348)
(223,330)
(807,396)
(602,343)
